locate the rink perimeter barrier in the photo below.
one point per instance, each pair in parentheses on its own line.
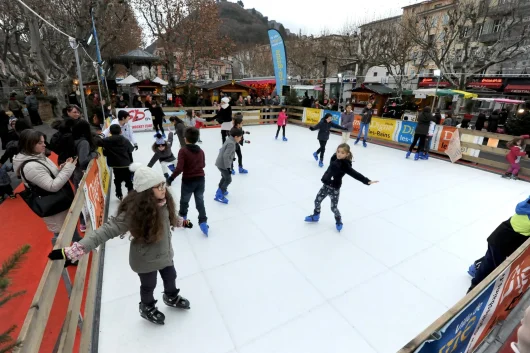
(91,199)
(401,132)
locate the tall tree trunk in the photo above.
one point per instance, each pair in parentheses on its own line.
(58,90)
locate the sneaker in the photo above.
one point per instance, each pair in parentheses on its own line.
(82,228)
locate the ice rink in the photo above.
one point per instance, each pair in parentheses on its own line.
(265,281)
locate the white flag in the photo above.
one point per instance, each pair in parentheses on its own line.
(454,150)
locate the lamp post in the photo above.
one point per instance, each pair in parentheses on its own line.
(339,75)
(437,73)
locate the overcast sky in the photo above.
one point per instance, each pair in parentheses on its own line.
(314,16)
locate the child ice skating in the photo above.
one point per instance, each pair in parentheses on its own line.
(224,117)
(191,163)
(420,134)
(126,129)
(282,122)
(158,118)
(346,120)
(517,150)
(504,240)
(180,127)
(323,136)
(118,151)
(366,119)
(340,164)
(150,214)
(193,119)
(238,123)
(163,154)
(224,163)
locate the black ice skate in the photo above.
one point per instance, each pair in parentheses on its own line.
(151,313)
(176,301)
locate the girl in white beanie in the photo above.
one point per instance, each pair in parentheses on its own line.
(224,117)
(149,214)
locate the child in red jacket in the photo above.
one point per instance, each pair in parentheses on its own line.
(517,150)
(282,121)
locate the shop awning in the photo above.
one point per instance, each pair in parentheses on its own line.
(522,89)
(433,84)
(379,89)
(500,100)
(465,94)
(491,85)
(258,82)
(129,80)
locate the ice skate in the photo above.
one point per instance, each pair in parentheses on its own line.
(204,228)
(313,218)
(243,170)
(364,144)
(472,271)
(285,139)
(176,301)
(356,142)
(417,156)
(338,224)
(315,155)
(219,197)
(151,313)
(276,137)
(233,172)
(408,154)
(320,164)
(507,175)
(514,177)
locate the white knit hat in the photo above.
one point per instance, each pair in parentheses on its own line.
(225,100)
(144,177)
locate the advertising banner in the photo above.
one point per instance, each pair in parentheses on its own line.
(279,59)
(444,137)
(94,198)
(471,139)
(454,150)
(140,118)
(335,116)
(103,171)
(406,131)
(383,129)
(312,116)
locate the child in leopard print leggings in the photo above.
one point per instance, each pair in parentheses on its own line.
(341,164)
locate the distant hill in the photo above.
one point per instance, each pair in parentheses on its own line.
(246,26)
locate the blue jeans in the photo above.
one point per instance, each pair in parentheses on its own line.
(364,127)
(75,238)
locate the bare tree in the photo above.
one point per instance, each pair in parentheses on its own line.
(470,37)
(253,60)
(187,33)
(33,52)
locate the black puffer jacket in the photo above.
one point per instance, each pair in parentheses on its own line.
(336,171)
(424,120)
(118,151)
(323,126)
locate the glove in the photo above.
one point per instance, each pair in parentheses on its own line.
(136,147)
(247,132)
(311,128)
(170,180)
(247,141)
(70,254)
(187,224)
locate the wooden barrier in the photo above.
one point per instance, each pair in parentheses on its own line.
(32,331)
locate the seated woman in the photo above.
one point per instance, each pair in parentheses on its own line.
(40,173)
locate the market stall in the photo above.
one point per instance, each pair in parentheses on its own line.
(373,93)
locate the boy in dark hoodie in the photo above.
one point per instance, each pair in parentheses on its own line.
(163,154)
(504,240)
(118,151)
(323,136)
(191,163)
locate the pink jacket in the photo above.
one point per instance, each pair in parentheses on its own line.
(282,119)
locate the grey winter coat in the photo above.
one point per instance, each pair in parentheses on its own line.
(4,176)
(346,120)
(424,120)
(38,175)
(143,258)
(165,155)
(85,155)
(226,154)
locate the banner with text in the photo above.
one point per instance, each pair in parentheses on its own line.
(335,116)
(454,150)
(140,118)
(279,59)
(94,198)
(312,116)
(383,129)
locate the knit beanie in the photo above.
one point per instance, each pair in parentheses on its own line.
(145,178)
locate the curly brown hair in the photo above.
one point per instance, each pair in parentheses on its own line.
(142,210)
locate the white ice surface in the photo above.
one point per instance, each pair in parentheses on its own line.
(265,281)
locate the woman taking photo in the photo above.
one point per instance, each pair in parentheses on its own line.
(38,171)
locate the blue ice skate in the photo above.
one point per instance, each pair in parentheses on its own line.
(313,218)
(204,228)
